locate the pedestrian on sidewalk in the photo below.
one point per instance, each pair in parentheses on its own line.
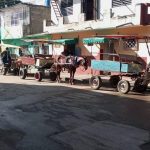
(5,56)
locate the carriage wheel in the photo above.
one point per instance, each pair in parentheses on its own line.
(53,76)
(138,86)
(23,73)
(15,71)
(114,81)
(38,76)
(95,82)
(123,86)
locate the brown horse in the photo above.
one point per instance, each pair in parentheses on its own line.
(71,63)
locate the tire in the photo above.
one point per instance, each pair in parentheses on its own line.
(23,73)
(95,82)
(38,76)
(123,86)
(53,76)
(114,81)
(15,71)
(138,87)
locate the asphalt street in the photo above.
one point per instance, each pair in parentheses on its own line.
(50,116)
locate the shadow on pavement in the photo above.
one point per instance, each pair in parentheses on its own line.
(59,117)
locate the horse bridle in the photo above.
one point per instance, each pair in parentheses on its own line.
(84,64)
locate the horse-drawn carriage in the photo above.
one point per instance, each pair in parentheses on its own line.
(48,67)
(42,66)
(127,75)
(8,65)
(123,75)
(9,68)
(38,66)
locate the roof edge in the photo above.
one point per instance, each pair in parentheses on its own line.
(22,3)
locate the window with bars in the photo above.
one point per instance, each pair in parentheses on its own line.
(90,9)
(16,18)
(67,7)
(130,44)
(7,19)
(118,3)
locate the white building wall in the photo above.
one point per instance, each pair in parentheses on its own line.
(7,30)
(75,17)
(105,10)
(109,17)
(12,32)
(37,2)
(53,17)
(105,7)
(140,1)
(76,13)
(143,51)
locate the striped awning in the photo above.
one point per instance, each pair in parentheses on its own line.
(15,42)
(64,41)
(95,40)
(39,36)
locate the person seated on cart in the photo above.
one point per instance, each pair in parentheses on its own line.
(148,67)
(66,58)
(6,58)
(62,57)
(20,52)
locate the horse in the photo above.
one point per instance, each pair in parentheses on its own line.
(71,63)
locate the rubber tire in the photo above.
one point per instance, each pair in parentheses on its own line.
(38,76)
(114,81)
(97,84)
(53,76)
(23,73)
(123,86)
(138,87)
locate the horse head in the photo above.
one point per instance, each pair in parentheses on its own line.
(82,61)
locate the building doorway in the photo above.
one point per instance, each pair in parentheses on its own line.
(91,9)
(69,49)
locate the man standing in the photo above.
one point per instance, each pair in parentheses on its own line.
(6,58)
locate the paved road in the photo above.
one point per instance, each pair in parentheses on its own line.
(51,116)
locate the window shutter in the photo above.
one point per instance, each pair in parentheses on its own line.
(117,3)
(67,7)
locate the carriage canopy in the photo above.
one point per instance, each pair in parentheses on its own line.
(95,40)
(64,41)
